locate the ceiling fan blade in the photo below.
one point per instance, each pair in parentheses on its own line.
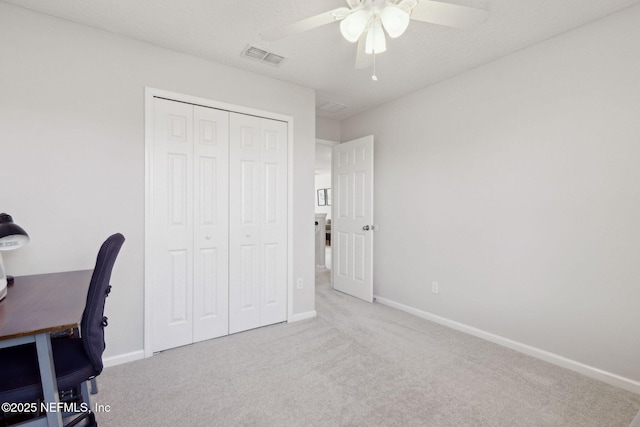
(450,15)
(306,24)
(363,60)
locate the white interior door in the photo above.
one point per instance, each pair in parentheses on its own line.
(189,224)
(352,222)
(258,222)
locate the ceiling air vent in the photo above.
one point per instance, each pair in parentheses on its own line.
(330,107)
(274,59)
(262,55)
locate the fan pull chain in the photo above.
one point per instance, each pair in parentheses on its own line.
(374,77)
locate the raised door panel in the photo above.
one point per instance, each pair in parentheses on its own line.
(341,258)
(359,218)
(342,212)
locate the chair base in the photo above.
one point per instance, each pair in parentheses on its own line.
(89,417)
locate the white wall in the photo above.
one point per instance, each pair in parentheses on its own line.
(328,129)
(72,150)
(516,186)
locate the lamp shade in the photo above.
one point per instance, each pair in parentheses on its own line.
(12,236)
(395,20)
(353,25)
(375,43)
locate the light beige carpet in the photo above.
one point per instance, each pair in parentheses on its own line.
(356,364)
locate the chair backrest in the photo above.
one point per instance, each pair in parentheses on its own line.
(93,320)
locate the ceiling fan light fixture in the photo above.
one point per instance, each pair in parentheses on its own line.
(376,42)
(353,25)
(395,20)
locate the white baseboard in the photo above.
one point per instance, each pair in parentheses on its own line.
(302,316)
(140,354)
(590,371)
(123,358)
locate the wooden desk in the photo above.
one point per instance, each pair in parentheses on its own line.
(37,305)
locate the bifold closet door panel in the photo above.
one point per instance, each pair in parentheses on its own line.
(258,222)
(211,223)
(273,186)
(172,228)
(189,224)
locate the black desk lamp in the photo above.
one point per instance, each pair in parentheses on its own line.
(12,236)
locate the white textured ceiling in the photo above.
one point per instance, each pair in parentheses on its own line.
(321,59)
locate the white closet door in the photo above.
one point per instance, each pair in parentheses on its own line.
(258,222)
(172,270)
(190,224)
(273,187)
(211,220)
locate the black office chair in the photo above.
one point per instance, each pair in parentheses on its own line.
(77,360)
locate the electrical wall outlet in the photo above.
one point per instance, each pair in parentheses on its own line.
(299,283)
(435,288)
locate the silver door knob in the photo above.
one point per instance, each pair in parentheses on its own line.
(366,228)
(207,237)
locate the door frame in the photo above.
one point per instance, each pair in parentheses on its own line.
(151,93)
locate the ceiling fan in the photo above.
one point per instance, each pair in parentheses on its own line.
(367,22)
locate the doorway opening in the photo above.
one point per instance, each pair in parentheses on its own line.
(323,202)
